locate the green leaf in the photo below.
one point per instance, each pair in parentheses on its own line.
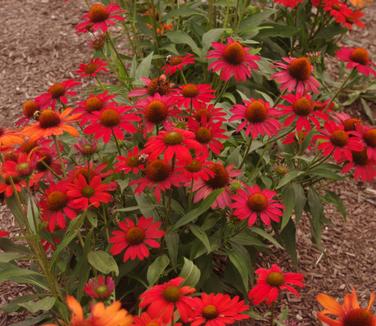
(145,206)
(288,238)
(179,37)
(300,200)
(11,272)
(156,269)
(44,304)
(201,235)
(8,245)
(6,257)
(198,211)
(266,236)
(190,272)
(103,262)
(239,258)
(279,30)
(316,209)
(333,198)
(183,11)
(288,199)
(288,177)
(172,244)
(246,238)
(143,69)
(252,22)
(367,110)
(32,321)
(209,37)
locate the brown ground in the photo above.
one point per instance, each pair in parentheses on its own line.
(39,46)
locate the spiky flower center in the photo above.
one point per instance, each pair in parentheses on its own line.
(29,108)
(101,290)
(300,69)
(220,179)
(24,169)
(358,317)
(56,200)
(49,119)
(173,138)
(98,13)
(135,235)
(158,170)
(175,60)
(360,55)
(350,124)
(190,90)
(57,90)
(203,135)
(109,118)
(153,323)
(172,293)
(256,111)
(91,68)
(158,85)
(194,166)
(257,202)
(370,137)
(275,279)
(156,111)
(133,161)
(234,53)
(87,191)
(2,131)
(303,107)
(360,158)
(44,162)
(94,103)
(88,149)
(202,114)
(210,312)
(339,138)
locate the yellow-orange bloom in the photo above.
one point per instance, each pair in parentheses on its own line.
(9,138)
(349,313)
(52,123)
(361,3)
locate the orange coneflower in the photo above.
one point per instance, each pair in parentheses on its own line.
(52,123)
(361,3)
(349,313)
(8,138)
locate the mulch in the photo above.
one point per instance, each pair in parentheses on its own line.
(39,46)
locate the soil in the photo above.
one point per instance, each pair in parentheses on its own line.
(39,46)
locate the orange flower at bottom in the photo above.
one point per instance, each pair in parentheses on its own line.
(349,313)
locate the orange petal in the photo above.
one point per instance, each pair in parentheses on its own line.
(328,321)
(371,300)
(75,308)
(330,304)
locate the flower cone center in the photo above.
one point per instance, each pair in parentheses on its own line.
(303,107)
(29,108)
(175,60)
(358,317)
(173,138)
(203,135)
(210,312)
(257,202)
(370,137)
(158,170)
(275,279)
(24,169)
(43,162)
(133,161)
(339,138)
(94,103)
(56,200)
(91,68)
(101,290)
(221,177)
(87,191)
(48,119)
(156,111)
(57,90)
(158,85)
(256,112)
(109,118)
(135,235)
(360,55)
(360,158)
(234,53)
(194,166)
(172,293)
(190,90)
(300,69)
(350,124)
(98,13)
(202,114)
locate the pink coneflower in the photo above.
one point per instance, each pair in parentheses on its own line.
(136,238)
(100,17)
(159,176)
(177,62)
(253,202)
(112,121)
(218,310)
(176,143)
(368,136)
(301,110)
(221,179)
(162,299)
(89,171)
(296,75)
(86,147)
(192,95)
(159,85)
(100,287)
(256,117)
(334,139)
(232,60)
(92,68)
(196,169)
(58,92)
(273,280)
(208,134)
(84,193)
(131,163)
(208,113)
(364,167)
(357,58)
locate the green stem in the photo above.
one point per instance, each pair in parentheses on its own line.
(59,155)
(246,152)
(116,141)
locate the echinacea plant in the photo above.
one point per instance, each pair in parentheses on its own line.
(158,190)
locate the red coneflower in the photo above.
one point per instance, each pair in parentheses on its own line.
(197,169)
(161,300)
(100,287)
(350,313)
(289,3)
(218,310)
(208,113)
(296,75)
(29,109)
(364,167)
(112,121)
(56,206)
(92,68)
(368,136)
(177,62)
(271,281)
(232,60)
(159,85)
(192,95)
(84,193)
(357,58)
(9,183)
(58,92)
(4,234)
(145,319)
(345,16)
(100,17)
(253,202)
(256,117)
(136,238)
(133,162)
